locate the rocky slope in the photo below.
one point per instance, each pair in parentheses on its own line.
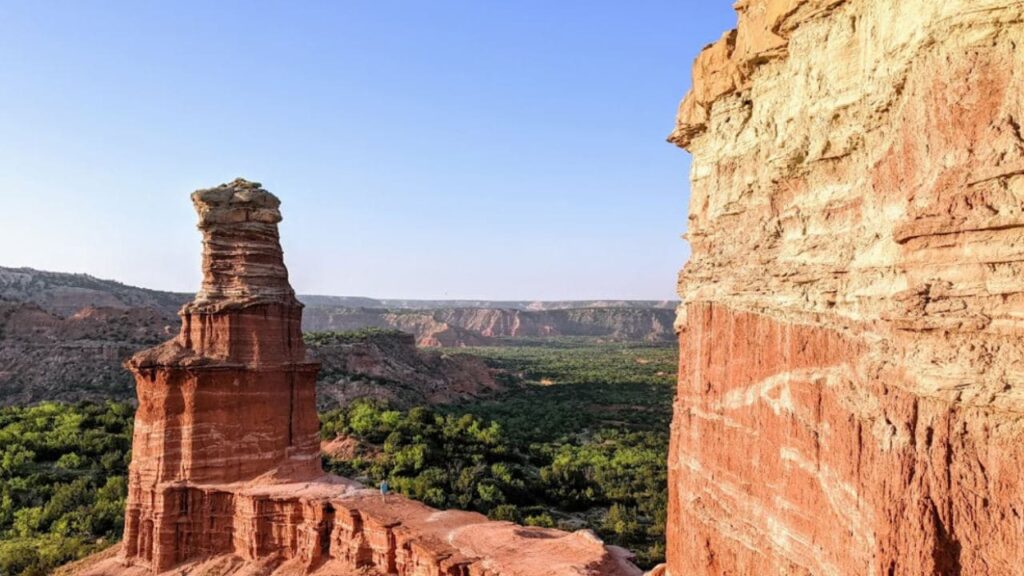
(387,365)
(48,357)
(44,356)
(225,476)
(65,294)
(850,398)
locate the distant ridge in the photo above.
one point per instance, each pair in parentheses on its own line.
(66,293)
(413,304)
(445,323)
(63,336)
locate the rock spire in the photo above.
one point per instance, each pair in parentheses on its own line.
(242,261)
(226,476)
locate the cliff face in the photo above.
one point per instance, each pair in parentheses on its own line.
(850,397)
(225,476)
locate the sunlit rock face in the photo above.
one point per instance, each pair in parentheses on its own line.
(226,476)
(233,398)
(851,397)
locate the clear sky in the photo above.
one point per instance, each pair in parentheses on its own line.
(443,149)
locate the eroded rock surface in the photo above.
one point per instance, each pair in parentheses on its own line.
(387,365)
(851,399)
(44,356)
(225,475)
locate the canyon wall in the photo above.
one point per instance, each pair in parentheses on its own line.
(456,327)
(225,476)
(64,336)
(851,391)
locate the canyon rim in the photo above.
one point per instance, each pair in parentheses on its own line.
(851,400)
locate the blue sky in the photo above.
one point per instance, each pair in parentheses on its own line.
(446,149)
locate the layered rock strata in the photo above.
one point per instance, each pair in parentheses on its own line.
(233,397)
(851,399)
(457,327)
(335,527)
(225,475)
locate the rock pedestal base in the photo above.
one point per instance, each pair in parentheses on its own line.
(330,525)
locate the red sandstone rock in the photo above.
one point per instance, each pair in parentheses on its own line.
(850,398)
(225,475)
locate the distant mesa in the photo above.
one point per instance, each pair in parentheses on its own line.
(226,475)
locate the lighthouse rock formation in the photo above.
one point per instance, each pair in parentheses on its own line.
(851,392)
(226,476)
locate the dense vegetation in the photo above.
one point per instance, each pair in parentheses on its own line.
(352,336)
(62,483)
(583,444)
(579,440)
(575,388)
